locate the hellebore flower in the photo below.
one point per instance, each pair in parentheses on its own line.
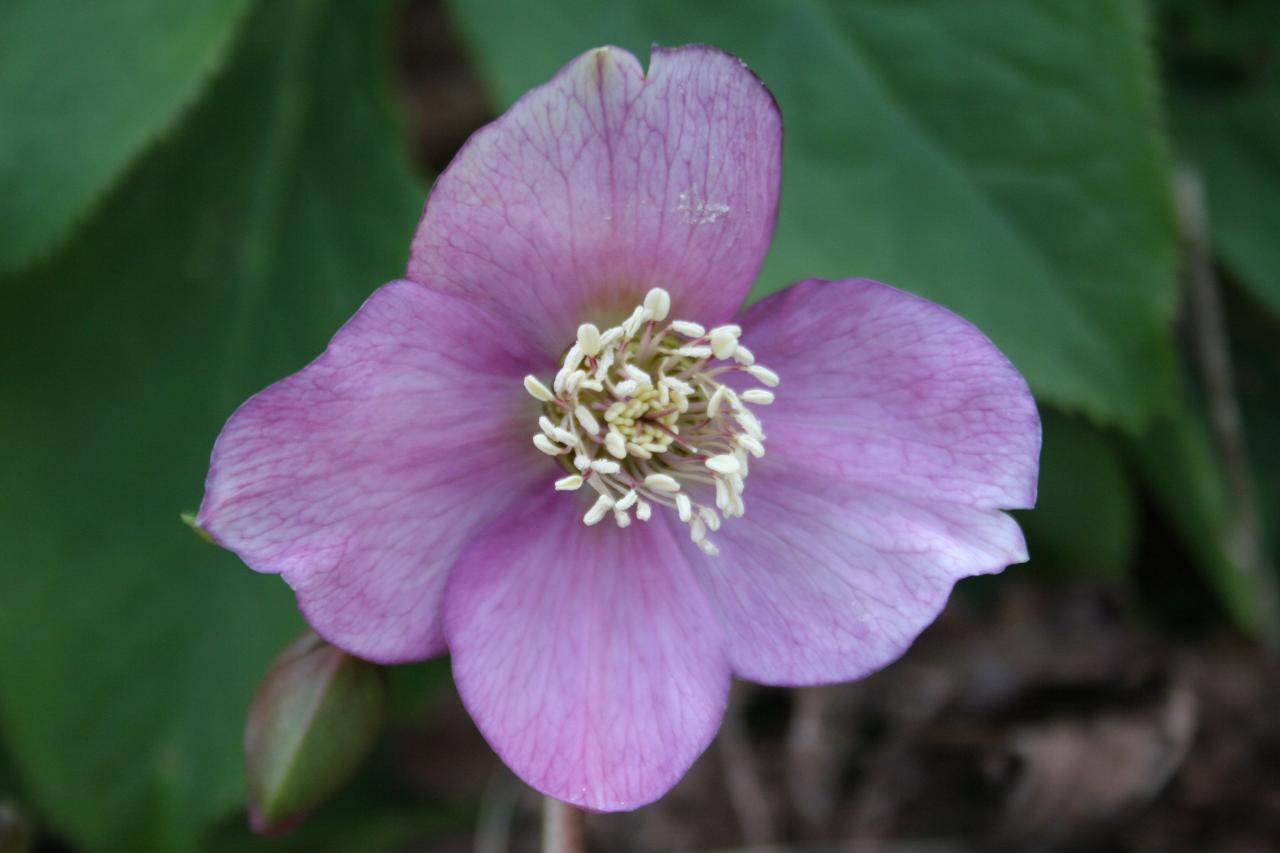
(575,278)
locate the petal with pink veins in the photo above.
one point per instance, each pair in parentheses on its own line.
(608,181)
(887,389)
(898,435)
(360,477)
(824,580)
(588,656)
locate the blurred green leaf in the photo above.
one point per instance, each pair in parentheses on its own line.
(1235,143)
(999,156)
(129,648)
(1181,469)
(84,87)
(1084,521)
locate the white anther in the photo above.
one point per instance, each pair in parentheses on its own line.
(728,328)
(626,388)
(633,323)
(573,358)
(564,437)
(605,466)
(750,423)
(688,329)
(708,515)
(545,444)
(695,351)
(753,445)
(537,390)
(547,426)
(627,501)
(684,507)
(603,504)
(615,444)
(708,547)
(676,384)
(742,355)
(759,396)
(637,375)
(725,463)
(589,339)
(643,510)
(637,451)
(662,483)
(588,420)
(609,337)
(697,530)
(569,484)
(724,495)
(763,374)
(581,462)
(657,303)
(713,405)
(723,343)
(622,518)
(615,410)
(572,384)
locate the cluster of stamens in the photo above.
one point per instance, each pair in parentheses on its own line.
(639,413)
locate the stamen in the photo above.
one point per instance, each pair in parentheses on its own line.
(638,411)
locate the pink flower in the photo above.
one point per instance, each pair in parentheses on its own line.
(671,524)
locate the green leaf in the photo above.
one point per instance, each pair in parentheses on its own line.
(1235,143)
(999,156)
(129,648)
(85,87)
(1084,521)
(1181,469)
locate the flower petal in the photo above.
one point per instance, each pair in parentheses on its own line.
(886,388)
(606,182)
(361,477)
(588,656)
(824,581)
(898,434)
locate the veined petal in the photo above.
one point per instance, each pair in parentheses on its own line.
(888,389)
(825,581)
(360,477)
(606,182)
(898,435)
(588,656)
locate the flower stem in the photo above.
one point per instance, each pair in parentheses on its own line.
(562,828)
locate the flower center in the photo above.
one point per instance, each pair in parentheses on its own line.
(639,413)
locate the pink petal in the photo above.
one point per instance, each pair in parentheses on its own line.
(885,388)
(825,581)
(898,434)
(588,657)
(606,182)
(362,476)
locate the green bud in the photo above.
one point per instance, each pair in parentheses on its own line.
(314,718)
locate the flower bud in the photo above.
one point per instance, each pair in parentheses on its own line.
(313,719)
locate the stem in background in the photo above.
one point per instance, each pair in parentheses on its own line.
(1244,528)
(562,828)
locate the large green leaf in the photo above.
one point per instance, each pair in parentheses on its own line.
(1235,142)
(83,88)
(129,648)
(1084,521)
(1000,156)
(1182,470)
